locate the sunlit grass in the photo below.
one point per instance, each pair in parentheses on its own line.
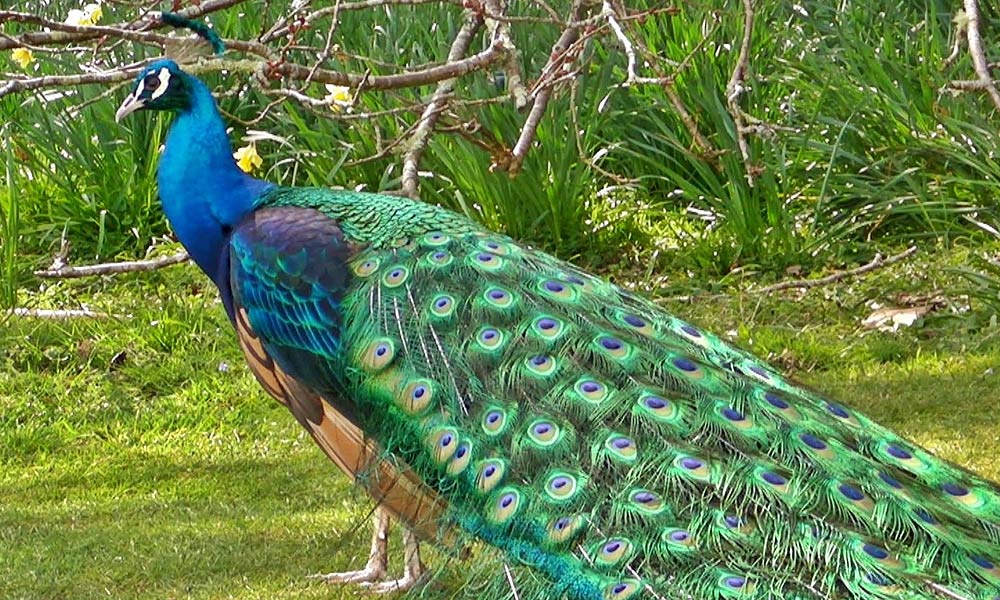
(140,459)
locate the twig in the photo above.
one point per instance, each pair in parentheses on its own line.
(317,103)
(411,162)
(632,76)
(961,22)
(325,54)
(979,62)
(877,263)
(344,7)
(500,32)
(591,161)
(48,81)
(704,146)
(153,264)
(63,35)
(428,75)
(971,85)
(967,22)
(282,21)
(425,76)
(609,14)
(557,58)
(735,89)
(548,9)
(43,313)
(41,49)
(384,149)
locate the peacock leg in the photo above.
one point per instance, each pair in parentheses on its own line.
(373,575)
(413,570)
(378,557)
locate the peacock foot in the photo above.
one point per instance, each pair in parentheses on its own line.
(373,576)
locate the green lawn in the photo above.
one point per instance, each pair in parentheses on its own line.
(139,459)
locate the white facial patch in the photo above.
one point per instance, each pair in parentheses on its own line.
(164,82)
(138,89)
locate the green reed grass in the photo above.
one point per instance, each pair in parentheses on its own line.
(865,148)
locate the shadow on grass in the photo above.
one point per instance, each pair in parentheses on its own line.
(175,528)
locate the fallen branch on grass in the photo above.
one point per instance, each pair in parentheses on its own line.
(877,263)
(69,272)
(59,315)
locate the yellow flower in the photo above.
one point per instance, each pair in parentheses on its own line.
(23,57)
(338,97)
(90,15)
(94,12)
(247,158)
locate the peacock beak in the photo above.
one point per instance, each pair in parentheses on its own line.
(129,106)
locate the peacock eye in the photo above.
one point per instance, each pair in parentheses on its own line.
(151,82)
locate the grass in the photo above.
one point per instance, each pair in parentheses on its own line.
(139,458)
(136,465)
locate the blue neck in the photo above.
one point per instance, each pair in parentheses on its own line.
(204,194)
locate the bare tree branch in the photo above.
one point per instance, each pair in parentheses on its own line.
(558,58)
(984,80)
(285,63)
(411,162)
(433,74)
(314,16)
(83,34)
(736,87)
(499,28)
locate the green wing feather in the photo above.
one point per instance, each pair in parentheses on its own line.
(613,447)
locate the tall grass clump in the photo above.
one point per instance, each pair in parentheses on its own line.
(859,142)
(552,201)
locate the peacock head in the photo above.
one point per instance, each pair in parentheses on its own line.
(160,86)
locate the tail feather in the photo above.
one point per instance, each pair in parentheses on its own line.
(392,484)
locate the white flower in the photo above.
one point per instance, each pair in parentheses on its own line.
(90,15)
(338,97)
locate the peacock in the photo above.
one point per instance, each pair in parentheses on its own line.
(486,393)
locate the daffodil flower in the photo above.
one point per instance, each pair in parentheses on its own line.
(247,158)
(23,57)
(338,97)
(90,15)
